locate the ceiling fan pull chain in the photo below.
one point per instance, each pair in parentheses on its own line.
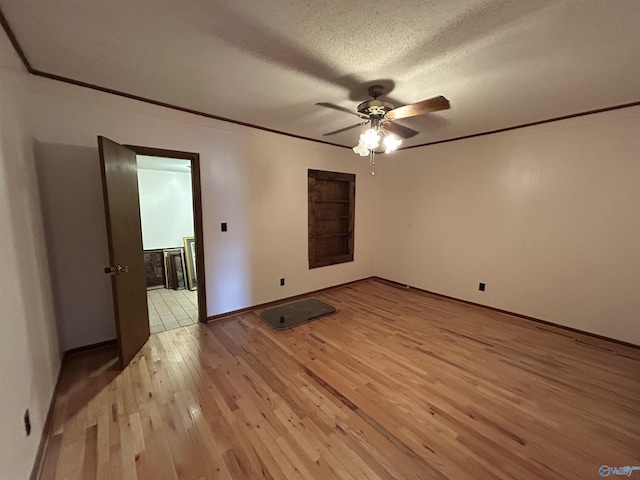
(372,160)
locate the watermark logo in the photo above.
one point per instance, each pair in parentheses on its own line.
(606,470)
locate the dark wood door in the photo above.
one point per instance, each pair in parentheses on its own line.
(127,269)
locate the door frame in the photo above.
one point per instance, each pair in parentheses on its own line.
(196,195)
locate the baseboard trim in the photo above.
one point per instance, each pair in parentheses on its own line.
(93,346)
(261,306)
(514,314)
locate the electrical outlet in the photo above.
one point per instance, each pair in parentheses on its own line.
(481,287)
(223,227)
(282,282)
(27,423)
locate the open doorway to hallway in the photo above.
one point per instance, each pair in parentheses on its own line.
(167,219)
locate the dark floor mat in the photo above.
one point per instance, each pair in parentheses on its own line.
(292,314)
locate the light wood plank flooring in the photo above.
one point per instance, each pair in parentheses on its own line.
(397,384)
(169,309)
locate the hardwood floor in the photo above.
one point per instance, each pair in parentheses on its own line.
(397,384)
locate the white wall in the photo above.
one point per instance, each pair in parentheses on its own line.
(76,235)
(29,359)
(253,180)
(166,208)
(548,217)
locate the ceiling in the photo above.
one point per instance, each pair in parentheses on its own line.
(501,63)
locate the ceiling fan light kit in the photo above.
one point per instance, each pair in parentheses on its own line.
(370,140)
(380,115)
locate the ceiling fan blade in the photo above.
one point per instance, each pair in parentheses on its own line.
(399,130)
(419,108)
(344,129)
(342,109)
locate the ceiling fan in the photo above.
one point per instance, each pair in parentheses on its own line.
(381,115)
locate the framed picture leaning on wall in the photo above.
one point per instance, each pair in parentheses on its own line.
(176,277)
(154,268)
(190,254)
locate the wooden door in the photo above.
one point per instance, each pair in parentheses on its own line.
(122,209)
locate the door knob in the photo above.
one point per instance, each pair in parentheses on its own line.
(117,269)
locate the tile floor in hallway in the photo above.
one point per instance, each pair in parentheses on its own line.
(170,309)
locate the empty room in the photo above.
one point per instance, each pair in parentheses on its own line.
(320,240)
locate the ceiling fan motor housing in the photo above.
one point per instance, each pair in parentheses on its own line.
(375,107)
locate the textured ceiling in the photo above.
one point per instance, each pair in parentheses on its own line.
(501,63)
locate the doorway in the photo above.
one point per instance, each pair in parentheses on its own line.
(171,220)
(118,167)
